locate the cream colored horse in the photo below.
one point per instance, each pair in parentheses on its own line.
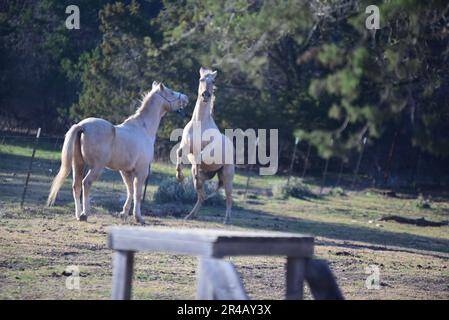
(128,147)
(202,170)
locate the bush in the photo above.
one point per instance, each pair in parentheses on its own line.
(337,192)
(423,203)
(170,191)
(296,189)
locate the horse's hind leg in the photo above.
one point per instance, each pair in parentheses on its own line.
(227,177)
(77,172)
(128,179)
(139,180)
(92,175)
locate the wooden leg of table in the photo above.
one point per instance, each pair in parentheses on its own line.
(122,275)
(204,289)
(295,278)
(321,281)
(224,280)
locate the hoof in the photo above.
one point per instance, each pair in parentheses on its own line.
(189,217)
(179,177)
(122,216)
(227,221)
(141,221)
(83,217)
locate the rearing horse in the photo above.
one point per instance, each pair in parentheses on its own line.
(202,171)
(128,147)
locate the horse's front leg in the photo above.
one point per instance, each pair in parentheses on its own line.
(139,180)
(179,174)
(128,180)
(198,183)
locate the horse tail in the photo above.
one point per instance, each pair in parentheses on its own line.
(71,140)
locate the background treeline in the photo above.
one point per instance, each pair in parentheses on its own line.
(310,68)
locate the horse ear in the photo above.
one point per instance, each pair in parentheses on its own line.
(161,86)
(155,84)
(202,71)
(213,75)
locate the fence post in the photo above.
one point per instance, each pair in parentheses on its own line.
(54,161)
(30,167)
(390,158)
(356,171)
(292,161)
(146,184)
(248,177)
(56,143)
(306,161)
(340,173)
(416,175)
(248,167)
(323,181)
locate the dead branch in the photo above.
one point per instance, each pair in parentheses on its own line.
(420,222)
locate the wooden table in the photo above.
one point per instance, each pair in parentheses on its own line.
(216,277)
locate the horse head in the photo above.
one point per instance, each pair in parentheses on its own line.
(206,86)
(173,100)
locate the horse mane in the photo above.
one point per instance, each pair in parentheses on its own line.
(144,98)
(212,101)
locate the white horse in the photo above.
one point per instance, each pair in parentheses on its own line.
(128,147)
(202,171)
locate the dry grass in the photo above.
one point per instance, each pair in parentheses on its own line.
(38,243)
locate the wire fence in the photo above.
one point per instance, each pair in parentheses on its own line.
(370,167)
(374,165)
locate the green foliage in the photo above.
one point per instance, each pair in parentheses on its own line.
(170,190)
(35,48)
(337,191)
(296,189)
(423,203)
(311,72)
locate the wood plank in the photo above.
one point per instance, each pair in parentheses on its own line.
(223,279)
(321,281)
(267,247)
(295,278)
(210,242)
(143,242)
(122,275)
(204,290)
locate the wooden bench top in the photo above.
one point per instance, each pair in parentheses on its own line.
(215,243)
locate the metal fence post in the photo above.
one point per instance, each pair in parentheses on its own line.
(30,167)
(323,181)
(340,172)
(356,171)
(306,161)
(146,184)
(292,161)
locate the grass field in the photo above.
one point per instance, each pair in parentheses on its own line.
(38,243)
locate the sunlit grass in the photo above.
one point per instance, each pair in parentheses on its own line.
(37,243)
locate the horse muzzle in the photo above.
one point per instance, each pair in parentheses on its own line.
(184,101)
(206,95)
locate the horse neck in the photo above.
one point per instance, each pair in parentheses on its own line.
(202,110)
(150,116)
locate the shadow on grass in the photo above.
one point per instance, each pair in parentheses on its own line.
(256,219)
(10,190)
(16,164)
